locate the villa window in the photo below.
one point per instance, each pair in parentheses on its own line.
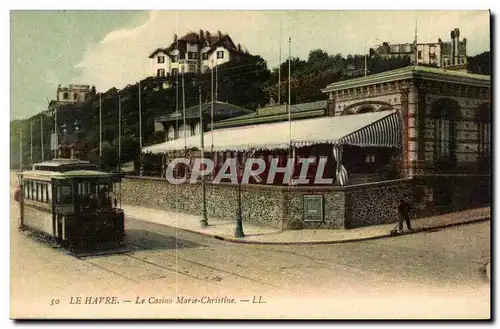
(65,96)
(174,59)
(161,59)
(175,72)
(160,72)
(205,56)
(220,54)
(192,68)
(192,55)
(443,140)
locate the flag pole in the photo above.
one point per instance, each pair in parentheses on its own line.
(416,44)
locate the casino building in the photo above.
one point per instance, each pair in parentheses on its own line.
(416,133)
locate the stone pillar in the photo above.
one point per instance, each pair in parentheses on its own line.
(405,149)
(420,126)
(330,107)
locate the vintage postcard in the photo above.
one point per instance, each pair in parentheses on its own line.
(250,164)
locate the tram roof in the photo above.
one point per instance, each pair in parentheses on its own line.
(41,174)
(61,162)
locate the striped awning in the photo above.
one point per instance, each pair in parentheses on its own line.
(379,129)
(386,132)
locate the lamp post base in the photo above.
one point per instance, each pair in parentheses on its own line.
(204,219)
(238,233)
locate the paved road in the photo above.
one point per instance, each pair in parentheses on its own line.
(436,274)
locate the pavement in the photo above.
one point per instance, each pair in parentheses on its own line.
(224,229)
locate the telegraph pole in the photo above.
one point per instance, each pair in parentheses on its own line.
(279,71)
(41,133)
(21,146)
(100,125)
(31,141)
(140,117)
(204,220)
(119,132)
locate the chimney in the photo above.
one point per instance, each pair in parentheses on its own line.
(219,34)
(175,37)
(202,36)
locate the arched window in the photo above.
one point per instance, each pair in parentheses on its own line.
(483,120)
(444,112)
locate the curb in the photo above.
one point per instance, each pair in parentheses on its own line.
(381,236)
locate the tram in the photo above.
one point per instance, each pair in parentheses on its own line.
(71,202)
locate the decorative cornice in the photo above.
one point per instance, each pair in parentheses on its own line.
(412,72)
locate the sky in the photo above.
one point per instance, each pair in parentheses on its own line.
(111,48)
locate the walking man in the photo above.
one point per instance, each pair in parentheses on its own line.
(404,215)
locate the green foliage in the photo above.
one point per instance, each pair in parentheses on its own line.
(245,81)
(480,64)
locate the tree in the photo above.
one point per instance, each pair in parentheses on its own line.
(480,64)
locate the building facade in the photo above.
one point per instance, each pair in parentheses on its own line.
(73,94)
(446,115)
(173,124)
(418,134)
(440,54)
(194,53)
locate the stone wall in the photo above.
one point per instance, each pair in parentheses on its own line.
(273,206)
(376,203)
(261,205)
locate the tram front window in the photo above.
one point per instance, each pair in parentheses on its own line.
(93,196)
(64,194)
(103,197)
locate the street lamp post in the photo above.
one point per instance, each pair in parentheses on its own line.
(238,233)
(204,220)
